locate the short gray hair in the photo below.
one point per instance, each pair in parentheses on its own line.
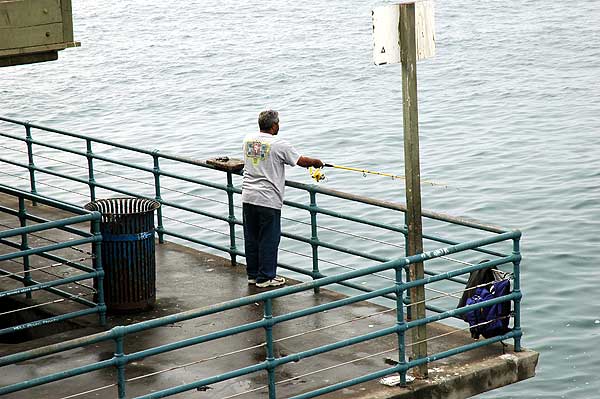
(267,119)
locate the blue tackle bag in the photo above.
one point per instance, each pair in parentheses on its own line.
(489,321)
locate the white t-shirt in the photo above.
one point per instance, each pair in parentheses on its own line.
(265,157)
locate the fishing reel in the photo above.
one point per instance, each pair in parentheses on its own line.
(316,173)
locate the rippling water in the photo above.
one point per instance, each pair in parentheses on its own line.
(509,119)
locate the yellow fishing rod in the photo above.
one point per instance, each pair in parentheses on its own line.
(318,175)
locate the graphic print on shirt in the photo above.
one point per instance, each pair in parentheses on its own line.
(257,151)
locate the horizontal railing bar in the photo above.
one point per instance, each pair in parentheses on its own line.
(458,272)
(454,279)
(55,319)
(52,290)
(67,262)
(113,161)
(296,357)
(188,209)
(405,300)
(113,144)
(401,367)
(334,247)
(83,154)
(359,220)
(38,219)
(75,135)
(451,242)
(358,286)
(355,381)
(461,349)
(205,381)
(460,311)
(351,251)
(343,216)
(196,181)
(190,161)
(57,347)
(61,375)
(47,171)
(332,305)
(299,270)
(380,225)
(17,231)
(79,180)
(274,363)
(47,284)
(106,187)
(103,158)
(254,325)
(394,206)
(52,247)
(157,350)
(44,200)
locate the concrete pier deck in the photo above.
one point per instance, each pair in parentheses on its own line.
(188,279)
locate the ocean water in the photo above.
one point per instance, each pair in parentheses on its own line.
(509,121)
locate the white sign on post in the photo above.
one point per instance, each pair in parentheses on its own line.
(386,35)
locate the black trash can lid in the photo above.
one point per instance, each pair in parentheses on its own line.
(123,206)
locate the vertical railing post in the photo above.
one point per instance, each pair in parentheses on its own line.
(120,362)
(90,159)
(97,262)
(517,289)
(24,245)
(268,315)
(231,219)
(408,298)
(30,165)
(400,324)
(156,172)
(314,237)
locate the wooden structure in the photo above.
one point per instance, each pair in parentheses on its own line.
(405,33)
(34,30)
(226,164)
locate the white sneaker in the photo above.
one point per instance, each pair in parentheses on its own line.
(251,281)
(274,282)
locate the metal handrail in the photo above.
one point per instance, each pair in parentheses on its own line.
(269,321)
(230,189)
(24,252)
(398,291)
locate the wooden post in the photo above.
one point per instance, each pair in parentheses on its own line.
(408,55)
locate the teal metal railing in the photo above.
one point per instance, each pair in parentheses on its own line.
(158,167)
(270,321)
(13,251)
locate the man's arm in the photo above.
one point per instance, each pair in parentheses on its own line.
(305,162)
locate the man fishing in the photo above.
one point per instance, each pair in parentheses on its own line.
(265,157)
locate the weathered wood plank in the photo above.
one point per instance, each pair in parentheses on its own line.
(412,171)
(24,13)
(67,20)
(22,59)
(31,36)
(37,49)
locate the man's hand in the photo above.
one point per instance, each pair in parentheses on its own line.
(306,162)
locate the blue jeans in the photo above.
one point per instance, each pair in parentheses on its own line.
(262,233)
